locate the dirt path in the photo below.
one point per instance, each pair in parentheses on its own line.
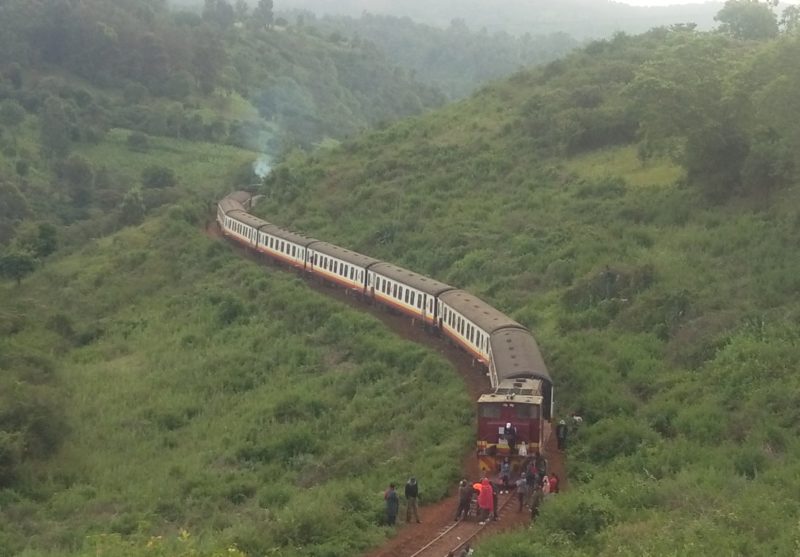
(434,518)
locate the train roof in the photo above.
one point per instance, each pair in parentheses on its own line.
(227,205)
(520,391)
(292,237)
(479,312)
(410,278)
(246,218)
(241,197)
(352,257)
(516,355)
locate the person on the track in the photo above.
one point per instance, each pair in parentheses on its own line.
(485,501)
(465,492)
(522,491)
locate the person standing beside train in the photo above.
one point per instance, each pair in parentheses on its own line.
(465,492)
(412,492)
(561,435)
(485,501)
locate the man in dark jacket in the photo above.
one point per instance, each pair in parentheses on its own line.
(465,492)
(412,491)
(561,435)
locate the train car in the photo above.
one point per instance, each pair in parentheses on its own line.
(284,246)
(411,293)
(523,398)
(243,227)
(470,322)
(340,266)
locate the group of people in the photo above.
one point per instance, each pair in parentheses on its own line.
(533,486)
(393,501)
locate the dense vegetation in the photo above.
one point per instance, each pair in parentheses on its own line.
(456,60)
(636,205)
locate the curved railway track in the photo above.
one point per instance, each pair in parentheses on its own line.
(455,536)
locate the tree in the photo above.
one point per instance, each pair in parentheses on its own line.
(241,9)
(37,239)
(159,177)
(15,265)
(132,209)
(11,113)
(790,19)
(77,175)
(13,205)
(748,19)
(219,12)
(263,13)
(54,128)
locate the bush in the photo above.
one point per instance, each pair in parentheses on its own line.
(159,177)
(579,514)
(615,437)
(137,141)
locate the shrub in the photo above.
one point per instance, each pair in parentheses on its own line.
(137,141)
(615,437)
(579,514)
(159,177)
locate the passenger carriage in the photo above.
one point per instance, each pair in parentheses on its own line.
(406,291)
(287,247)
(470,322)
(243,227)
(339,265)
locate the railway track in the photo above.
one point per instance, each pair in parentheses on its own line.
(456,535)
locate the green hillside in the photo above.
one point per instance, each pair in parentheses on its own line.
(636,205)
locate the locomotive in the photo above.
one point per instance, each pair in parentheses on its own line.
(515,417)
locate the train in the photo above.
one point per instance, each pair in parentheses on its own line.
(514,418)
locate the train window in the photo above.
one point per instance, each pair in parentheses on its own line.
(394,291)
(527,411)
(352,273)
(294,252)
(490,410)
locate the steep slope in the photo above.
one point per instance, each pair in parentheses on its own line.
(659,276)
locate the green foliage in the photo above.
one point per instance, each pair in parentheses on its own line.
(77,176)
(138,141)
(159,177)
(16,265)
(132,208)
(748,19)
(12,114)
(579,516)
(55,128)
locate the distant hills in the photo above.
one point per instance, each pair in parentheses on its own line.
(579,18)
